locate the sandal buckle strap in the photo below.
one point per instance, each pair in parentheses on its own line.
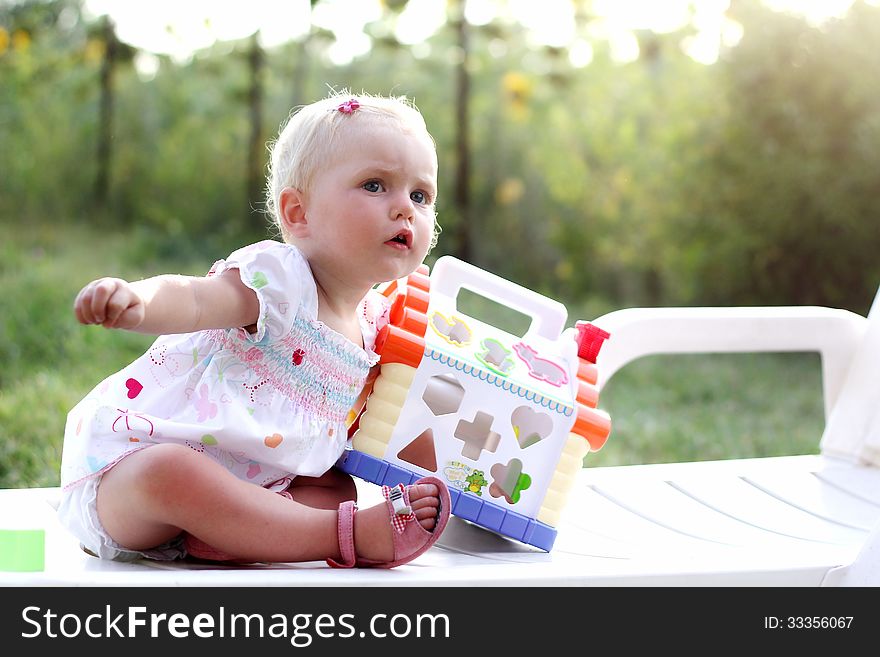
(345,536)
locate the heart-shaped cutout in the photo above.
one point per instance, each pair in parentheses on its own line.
(273,441)
(134,388)
(530,426)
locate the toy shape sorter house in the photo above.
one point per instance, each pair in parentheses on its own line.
(505,420)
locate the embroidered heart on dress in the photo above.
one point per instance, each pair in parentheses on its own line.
(253,470)
(273,441)
(297,356)
(134,388)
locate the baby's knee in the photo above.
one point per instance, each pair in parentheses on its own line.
(161,470)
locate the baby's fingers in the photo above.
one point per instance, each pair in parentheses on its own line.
(82,306)
(100,300)
(102,292)
(116,304)
(128,317)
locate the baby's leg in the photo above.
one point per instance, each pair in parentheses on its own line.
(154,494)
(325,492)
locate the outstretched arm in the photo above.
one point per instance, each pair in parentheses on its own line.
(168,303)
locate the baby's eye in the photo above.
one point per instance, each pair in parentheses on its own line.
(372,186)
(419,197)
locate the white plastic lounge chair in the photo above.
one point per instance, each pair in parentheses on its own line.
(807,520)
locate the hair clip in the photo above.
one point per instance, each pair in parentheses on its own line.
(349,106)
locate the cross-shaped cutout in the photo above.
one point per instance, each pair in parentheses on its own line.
(477,436)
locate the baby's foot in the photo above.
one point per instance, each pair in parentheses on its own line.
(372,526)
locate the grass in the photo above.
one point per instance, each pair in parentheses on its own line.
(664,409)
(715,406)
(48,360)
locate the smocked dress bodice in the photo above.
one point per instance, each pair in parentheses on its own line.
(268,405)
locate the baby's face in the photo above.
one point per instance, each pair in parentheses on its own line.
(371,209)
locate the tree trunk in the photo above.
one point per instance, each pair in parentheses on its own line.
(105,115)
(256,146)
(461,193)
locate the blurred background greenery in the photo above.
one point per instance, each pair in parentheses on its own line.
(657,172)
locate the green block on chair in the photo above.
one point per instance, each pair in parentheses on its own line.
(22,550)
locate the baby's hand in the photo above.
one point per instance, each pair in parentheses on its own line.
(110,302)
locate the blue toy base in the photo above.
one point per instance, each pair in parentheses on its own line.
(464,505)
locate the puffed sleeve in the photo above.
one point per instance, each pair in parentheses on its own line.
(282,280)
(374,313)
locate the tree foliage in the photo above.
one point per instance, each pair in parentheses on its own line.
(658,181)
(791,175)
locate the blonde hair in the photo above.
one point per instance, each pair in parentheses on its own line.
(313,133)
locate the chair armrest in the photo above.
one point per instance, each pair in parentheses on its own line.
(638,332)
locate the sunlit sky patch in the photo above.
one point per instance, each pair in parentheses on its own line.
(180,28)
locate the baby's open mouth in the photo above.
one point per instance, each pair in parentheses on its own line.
(402,238)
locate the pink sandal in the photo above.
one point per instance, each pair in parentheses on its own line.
(410,540)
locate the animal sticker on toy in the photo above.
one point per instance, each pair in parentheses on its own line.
(476,482)
(455,332)
(495,356)
(540,368)
(457,475)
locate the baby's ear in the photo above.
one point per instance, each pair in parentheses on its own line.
(292,212)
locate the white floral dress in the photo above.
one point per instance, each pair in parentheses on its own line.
(269,405)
